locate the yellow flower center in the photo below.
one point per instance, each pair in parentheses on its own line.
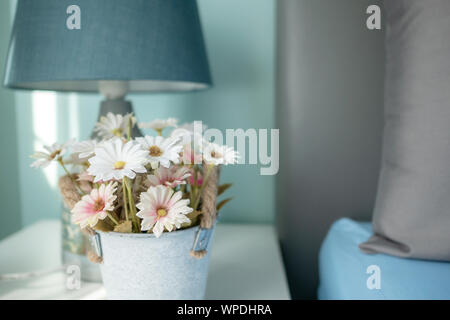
(54,154)
(99,205)
(119,165)
(155,151)
(216,154)
(161,212)
(117,132)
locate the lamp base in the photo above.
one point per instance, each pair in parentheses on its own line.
(116,106)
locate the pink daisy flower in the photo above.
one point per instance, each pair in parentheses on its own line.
(171,177)
(199,178)
(190,156)
(94,206)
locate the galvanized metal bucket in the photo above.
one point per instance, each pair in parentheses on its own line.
(141,266)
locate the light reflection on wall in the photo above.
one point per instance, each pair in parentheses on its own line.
(74,128)
(44,115)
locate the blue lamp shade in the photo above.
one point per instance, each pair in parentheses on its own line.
(153,45)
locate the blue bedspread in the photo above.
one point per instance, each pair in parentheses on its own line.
(343,267)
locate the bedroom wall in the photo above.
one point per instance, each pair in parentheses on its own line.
(329,106)
(240,42)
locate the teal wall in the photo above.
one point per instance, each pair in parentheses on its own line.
(10,213)
(240,42)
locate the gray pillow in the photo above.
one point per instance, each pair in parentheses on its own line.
(412,211)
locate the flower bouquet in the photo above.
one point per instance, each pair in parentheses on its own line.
(149,204)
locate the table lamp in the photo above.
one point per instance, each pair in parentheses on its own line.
(107,46)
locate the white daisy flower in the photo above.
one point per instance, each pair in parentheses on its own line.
(85,149)
(94,206)
(115,159)
(160,150)
(114,125)
(75,160)
(216,154)
(51,153)
(160,208)
(159,124)
(171,177)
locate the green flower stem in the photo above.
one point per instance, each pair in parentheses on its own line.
(195,175)
(192,194)
(61,162)
(132,205)
(125,204)
(194,187)
(133,210)
(112,218)
(130,126)
(205,180)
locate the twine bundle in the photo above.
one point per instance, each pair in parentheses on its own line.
(207,220)
(69,192)
(209,212)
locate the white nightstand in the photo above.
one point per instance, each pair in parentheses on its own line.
(245,263)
